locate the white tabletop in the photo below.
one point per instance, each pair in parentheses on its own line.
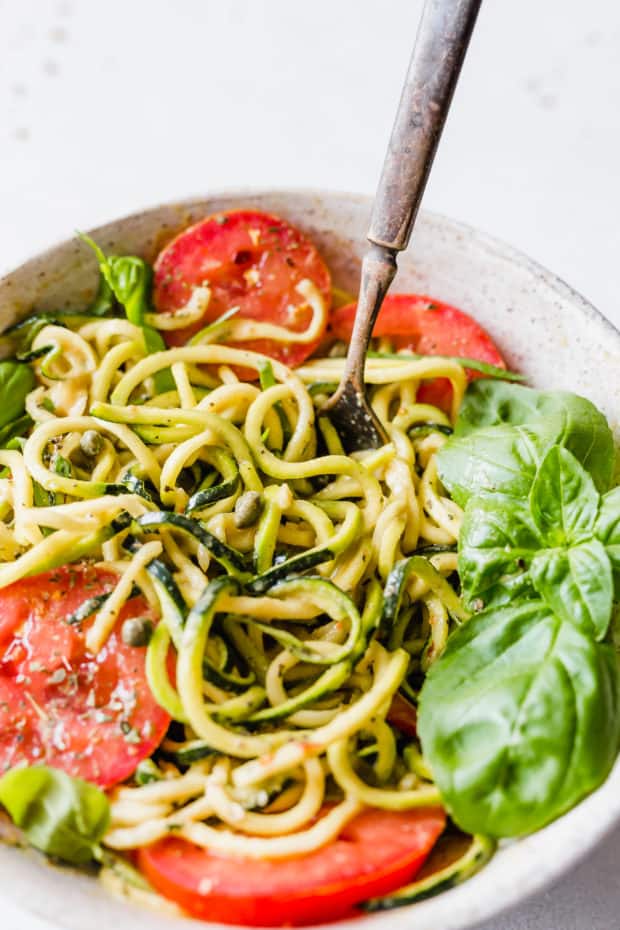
(109,107)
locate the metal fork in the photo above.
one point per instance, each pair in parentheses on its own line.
(443,36)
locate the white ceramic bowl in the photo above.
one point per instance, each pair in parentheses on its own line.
(545,330)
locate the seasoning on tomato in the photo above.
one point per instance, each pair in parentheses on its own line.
(251,261)
(92,716)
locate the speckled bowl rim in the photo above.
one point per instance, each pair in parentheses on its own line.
(518,871)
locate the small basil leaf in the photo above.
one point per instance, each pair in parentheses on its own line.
(104,302)
(16,381)
(555,416)
(62,816)
(154,343)
(519,719)
(496,546)
(563,500)
(127,277)
(607,529)
(577,585)
(130,280)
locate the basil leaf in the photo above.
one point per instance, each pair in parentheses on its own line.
(496,460)
(16,381)
(129,279)
(607,529)
(519,719)
(154,343)
(555,417)
(563,500)
(62,816)
(104,302)
(501,405)
(577,585)
(496,547)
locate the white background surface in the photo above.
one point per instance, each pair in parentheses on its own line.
(109,107)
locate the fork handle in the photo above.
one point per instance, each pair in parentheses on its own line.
(443,36)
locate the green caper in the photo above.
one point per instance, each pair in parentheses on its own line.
(137,631)
(91,443)
(247,509)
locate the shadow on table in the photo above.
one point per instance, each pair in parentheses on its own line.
(588,898)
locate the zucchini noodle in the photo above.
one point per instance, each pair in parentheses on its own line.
(294,584)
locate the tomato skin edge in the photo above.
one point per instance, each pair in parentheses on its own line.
(403,715)
(207,253)
(176,869)
(280,911)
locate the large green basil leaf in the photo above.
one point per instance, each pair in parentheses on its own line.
(519,719)
(607,529)
(62,816)
(492,461)
(577,585)
(496,546)
(552,417)
(564,501)
(16,381)
(486,405)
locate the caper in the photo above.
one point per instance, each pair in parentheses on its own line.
(247,509)
(137,631)
(91,443)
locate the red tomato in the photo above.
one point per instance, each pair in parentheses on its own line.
(403,715)
(426,326)
(93,717)
(376,853)
(250,260)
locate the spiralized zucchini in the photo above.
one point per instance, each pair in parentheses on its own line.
(288,651)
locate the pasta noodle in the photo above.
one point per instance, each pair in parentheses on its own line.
(285,673)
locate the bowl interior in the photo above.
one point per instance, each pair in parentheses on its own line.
(544,329)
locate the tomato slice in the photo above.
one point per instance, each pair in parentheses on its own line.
(376,853)
(427,326)
(250,260)
(92,716)
(403,715)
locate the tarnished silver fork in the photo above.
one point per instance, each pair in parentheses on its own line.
(443,36)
